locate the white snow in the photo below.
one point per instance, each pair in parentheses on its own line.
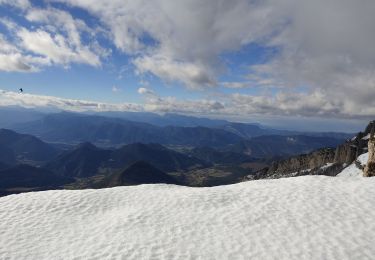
(352,170)
(327,165)
(310,217)
(366,137)
(363,158)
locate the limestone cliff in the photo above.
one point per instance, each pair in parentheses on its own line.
(325,161)
(369,170)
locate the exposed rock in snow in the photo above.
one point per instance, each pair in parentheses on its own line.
(311,217)
(356,168)
(369,170)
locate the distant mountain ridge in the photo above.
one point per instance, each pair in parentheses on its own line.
(77,128)
(281,146)
(109,131)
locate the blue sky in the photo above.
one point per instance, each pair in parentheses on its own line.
(243,60)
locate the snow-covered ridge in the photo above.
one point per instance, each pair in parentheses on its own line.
(311,217)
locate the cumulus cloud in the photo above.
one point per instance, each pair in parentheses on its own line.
(12,59)
(54,39)
(187,36)
(324,48)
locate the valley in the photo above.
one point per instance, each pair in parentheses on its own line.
(90,151)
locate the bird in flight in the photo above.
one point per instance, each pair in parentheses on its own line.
(21,90)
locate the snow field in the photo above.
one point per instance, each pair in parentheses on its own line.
(310,217)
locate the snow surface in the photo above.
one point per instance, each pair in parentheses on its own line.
(327,165)
(367,137)
(309,217)
(363,158)
(352,170)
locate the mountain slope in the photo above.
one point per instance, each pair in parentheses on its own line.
(11,115)
(87,160)
(215,156)
(164,159)
(25,147)
(310,217)
(24,177)
(138,173)
(326,161)
(84,161)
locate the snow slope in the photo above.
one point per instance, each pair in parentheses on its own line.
(352,170)
(310,217)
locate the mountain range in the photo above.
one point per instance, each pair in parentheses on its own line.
(105,131)
(72,150)
(66,127)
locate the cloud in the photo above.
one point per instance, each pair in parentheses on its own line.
(239,106)
(192,75)
(234,84)
(145,91)
(326,47)
(116,89)
(54,40)
(187,38)
(30,100)
(22,4)
(173,105)
(323,62)
(13,62)
(55,48)
(12,59)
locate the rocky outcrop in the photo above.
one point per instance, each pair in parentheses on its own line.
(369,170)
(324,161)
(304,161)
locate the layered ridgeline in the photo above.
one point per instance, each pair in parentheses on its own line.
(326,161)
(108,131)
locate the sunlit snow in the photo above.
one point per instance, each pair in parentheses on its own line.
(311,217)
(352,170)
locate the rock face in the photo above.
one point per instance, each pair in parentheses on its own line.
(304,161)
(324,161)
(369,170)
